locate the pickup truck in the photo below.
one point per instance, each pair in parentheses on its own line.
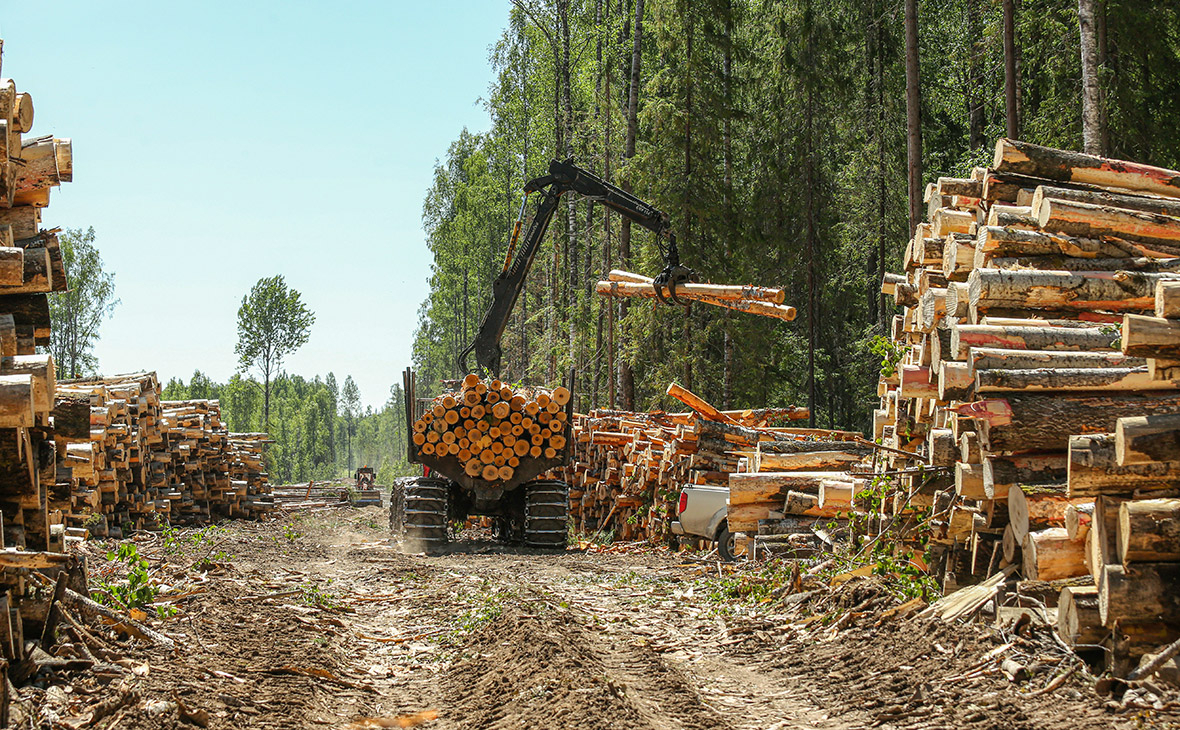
(701,512)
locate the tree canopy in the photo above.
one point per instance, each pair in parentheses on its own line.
(273,322)
(77,313)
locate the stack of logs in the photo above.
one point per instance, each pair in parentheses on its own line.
(628,468)
(130,460)
(488,428)
(1032,406)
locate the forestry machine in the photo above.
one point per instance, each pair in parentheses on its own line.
(526,509)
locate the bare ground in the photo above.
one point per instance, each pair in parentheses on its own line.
(323,622)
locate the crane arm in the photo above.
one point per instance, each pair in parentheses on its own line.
(563,177)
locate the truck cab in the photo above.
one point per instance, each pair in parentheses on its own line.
(702,511)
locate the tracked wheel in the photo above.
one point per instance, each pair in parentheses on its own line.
(424,514)
(546,512)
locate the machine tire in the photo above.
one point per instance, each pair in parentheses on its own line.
(396,506)
(424,514)
(546,514)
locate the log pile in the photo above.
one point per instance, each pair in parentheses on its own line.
(140,462)
(487,428)
(628,468)
(1035,401)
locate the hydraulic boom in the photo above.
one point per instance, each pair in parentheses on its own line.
(565,177)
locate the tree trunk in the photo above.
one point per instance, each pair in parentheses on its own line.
(1012,120)
(1093,133)
(626,377)
(913,105)
(1120,291)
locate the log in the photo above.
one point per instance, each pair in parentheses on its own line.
(1012,216)
(836,493)
(1079,621)
(932,306)
(993,242)
(1088,339)
(1025,158)
(1144,439)
(1094,469)
(969,451)
(959,186)
(1001,473)
(1167,299)
(946,221)
(1050,555)
(1149,531)
(12,267)
(915,382)
(955,381)
(890,282)
(42,157)
(1154,337)
(1121,291)
(942,450)
(719,292)
(991,358)
(772,487)
(817,461)
(958,257)
(1140,592)
(29,310)
(16,401)
(1140,203)
(1102,539)
(1069,379)
(1033,421)
(1078,518)
(697,404)
(969,481)
(1035,506)
(1160,233)
(1069,263)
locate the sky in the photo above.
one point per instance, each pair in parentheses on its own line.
(218,143)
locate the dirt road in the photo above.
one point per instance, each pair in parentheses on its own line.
(320,622)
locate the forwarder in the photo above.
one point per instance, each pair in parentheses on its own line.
(527,509)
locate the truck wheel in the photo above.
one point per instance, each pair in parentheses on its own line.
(546,511)
(424,514)
(727,546)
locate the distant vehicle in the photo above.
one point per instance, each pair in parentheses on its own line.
(702,511)
(365,478)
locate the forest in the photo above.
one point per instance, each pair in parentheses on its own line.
(774,133)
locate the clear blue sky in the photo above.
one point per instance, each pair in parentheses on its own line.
(216,143)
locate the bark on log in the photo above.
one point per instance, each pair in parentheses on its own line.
(947,221)
(969,451)
(1032,507)
(1144,439)
(816,461)
(1001,473)
(1088,339)
(942,450)
(1068,379)
(955,381)
(772,486)
(990,358)
(1140,203)
(1160,233)
(1142,591)
(1094,469)
(1121,291)
(1154,337)
(697,404)
(959,186)
(932,308)
(1149,531)
(958,257)
(1025,158)
(1078,619)
(994,241)
(720,292)
(1031,421)
(1012,216)
(1069,263)
(1167,299)
(1050,555)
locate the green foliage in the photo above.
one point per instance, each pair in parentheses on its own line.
(135,590)
(273,322)
(320,597)
(788,170)
(890,353)
(77,313)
